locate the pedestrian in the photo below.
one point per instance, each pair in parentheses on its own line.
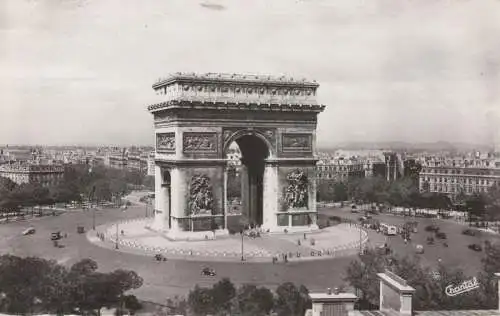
(305,237)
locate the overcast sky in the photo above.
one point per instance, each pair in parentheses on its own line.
(80,71)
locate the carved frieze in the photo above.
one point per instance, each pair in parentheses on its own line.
(165,142)
(201,199)
(296,192)
(296,142)
(199,142)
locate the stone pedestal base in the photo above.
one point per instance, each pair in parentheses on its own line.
(179,235)
(291,229)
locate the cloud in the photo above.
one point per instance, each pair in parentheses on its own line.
(388,69)
(213,6)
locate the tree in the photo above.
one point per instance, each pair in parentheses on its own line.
(492,200)
(292,300)
(102,190)
(362,275)
(430,291)
(30,284)
(201,301)
(476,206)
(223,293)
(325,191)
(253,301)
(84,267)
(132,304)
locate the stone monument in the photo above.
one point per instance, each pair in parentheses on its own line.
(272,119)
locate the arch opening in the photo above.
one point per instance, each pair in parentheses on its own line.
(166,192)
(245,183)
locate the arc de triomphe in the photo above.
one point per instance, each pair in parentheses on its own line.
(272,119)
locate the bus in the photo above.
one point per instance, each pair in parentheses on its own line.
(389,230)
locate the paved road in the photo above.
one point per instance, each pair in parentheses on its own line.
(456,254)
(166,279)
(161,280)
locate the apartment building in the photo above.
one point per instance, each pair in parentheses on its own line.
(46,175)
(455,175)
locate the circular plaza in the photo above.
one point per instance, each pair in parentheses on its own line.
(134,235)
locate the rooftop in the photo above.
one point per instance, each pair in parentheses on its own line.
(240,78)
(430,313)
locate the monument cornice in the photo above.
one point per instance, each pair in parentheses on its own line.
(292,161)
(191,162)
(241,106)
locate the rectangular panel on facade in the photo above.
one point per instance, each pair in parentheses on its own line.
(296,142)
(199,142)
(165,142)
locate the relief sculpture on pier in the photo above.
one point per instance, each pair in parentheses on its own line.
(201,199)
(165,142)
(296,194)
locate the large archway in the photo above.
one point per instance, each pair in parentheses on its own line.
(272,120)
(253,152)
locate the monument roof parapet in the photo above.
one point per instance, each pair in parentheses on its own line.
(236,91)
(234,78)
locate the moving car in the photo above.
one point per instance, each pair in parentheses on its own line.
(475,247)
(208,272)
(419,249)
(389,230)
(55,236)
(29,231)
(160,257)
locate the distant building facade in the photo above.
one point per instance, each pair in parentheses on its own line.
(341,169)
(46,175)
(454,176)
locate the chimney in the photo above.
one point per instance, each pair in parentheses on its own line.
(331,303)
(395,294)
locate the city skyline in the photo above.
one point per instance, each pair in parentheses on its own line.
(80,72)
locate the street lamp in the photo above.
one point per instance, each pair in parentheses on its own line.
(360,241)
(91,196)
(242,235)
(116,244)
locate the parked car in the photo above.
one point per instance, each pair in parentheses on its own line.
(475,247)
(432,228)
(470,232)
(440,235)
(29,231)
(208,272)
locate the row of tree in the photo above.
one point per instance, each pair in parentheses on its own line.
(80,183)
(429,283)
(34,285)
(224,298)
(405,192)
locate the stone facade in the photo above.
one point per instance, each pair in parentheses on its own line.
(46,175)
(195,123)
